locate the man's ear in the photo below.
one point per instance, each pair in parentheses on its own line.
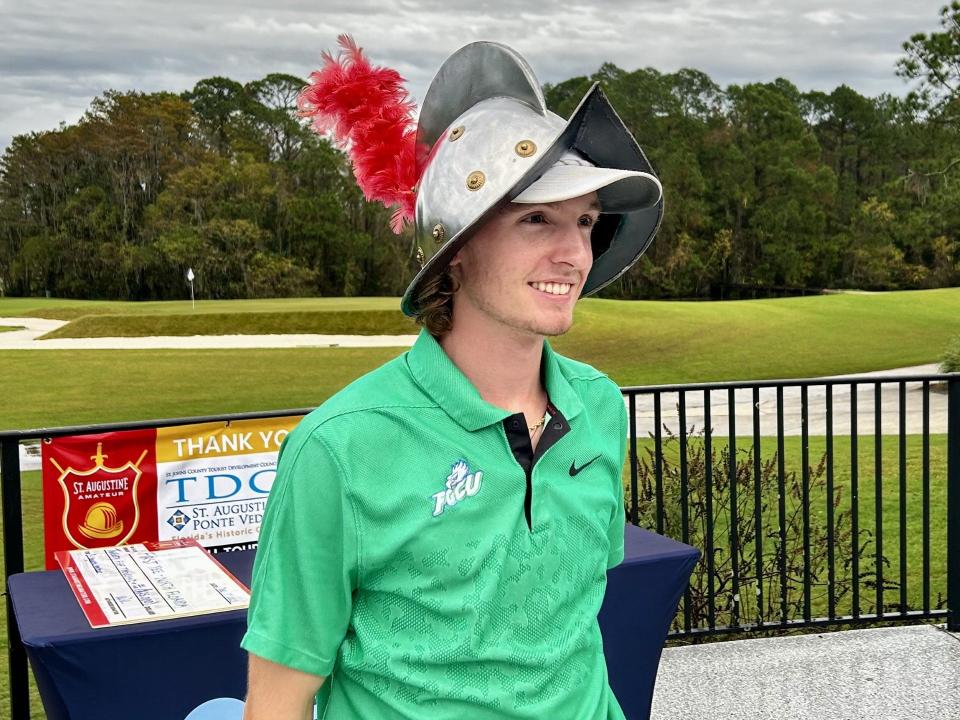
(455,268)
(455,275)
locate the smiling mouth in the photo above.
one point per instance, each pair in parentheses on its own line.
(552,288)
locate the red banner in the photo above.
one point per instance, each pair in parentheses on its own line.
(100,498)
(206,482)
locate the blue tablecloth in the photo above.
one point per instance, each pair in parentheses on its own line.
(162,670)
(641,600)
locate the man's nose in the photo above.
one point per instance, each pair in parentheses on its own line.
(573,245)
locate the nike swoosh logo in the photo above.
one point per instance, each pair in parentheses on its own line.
(574,469)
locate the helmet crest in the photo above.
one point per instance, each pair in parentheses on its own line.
(370,113)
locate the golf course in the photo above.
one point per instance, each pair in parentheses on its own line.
(635,342)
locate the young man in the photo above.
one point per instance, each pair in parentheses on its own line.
(437,538)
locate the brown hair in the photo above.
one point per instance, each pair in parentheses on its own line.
(434,303)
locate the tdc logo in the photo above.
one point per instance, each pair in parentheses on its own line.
(461,483)
(178,520)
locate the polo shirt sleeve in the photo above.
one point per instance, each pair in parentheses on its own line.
(616,530)
(306,566)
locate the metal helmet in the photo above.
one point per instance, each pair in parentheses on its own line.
(492,138)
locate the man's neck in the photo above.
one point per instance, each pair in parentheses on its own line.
(503,366)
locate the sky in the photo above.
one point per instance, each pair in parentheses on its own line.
(57,55)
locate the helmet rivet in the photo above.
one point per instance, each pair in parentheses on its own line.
(525,148)
(439,233)
(475,180)
(456,133)
(420,256)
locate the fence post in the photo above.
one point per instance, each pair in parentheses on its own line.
(13,563)
(953,504)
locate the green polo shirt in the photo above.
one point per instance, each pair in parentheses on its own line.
(417,551)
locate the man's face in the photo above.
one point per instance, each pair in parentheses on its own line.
(525,268)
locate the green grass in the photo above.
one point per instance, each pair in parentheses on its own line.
(63,309)
(644,343)
(10,328)
(636,343)
(45,388)
(330,322)
(867,512)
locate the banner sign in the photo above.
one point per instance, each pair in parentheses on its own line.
(207,482)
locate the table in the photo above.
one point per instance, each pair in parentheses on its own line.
(640,602)
(159,670)
(162,670)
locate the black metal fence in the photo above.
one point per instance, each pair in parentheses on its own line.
(794,512)
(786,544)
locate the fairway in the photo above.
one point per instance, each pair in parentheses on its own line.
(65,309)
(60,387)
(636,343)
(645,343)
(322,322)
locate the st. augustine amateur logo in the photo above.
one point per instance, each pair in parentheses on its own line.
(101,506)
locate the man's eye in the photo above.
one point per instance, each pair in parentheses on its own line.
(587,221)
(536,218)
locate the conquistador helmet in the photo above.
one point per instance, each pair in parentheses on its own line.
(484,138)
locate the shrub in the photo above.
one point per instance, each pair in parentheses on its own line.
(951,356)
(737,587)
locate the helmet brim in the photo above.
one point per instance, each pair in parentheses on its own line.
(618,190)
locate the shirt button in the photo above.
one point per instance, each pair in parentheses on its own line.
(515,423)
(558,426)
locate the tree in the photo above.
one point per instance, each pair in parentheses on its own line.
(274,109)
(220,105)
(777,196)
(934,60)
(136,140)
(873,260)
(763,185)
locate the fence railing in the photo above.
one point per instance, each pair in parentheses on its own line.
(785,544)
(815,502)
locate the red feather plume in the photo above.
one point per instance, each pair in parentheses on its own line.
(370,113)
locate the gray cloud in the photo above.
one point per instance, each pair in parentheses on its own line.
(57,55)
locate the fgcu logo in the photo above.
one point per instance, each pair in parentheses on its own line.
(461,483)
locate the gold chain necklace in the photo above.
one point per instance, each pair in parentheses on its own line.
(539,424)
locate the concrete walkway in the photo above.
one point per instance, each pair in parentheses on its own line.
(27,340)
(816,402)
(900,673)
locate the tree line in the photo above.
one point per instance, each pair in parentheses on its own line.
(764,186)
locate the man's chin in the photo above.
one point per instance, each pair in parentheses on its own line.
(536,323)
(554,328)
